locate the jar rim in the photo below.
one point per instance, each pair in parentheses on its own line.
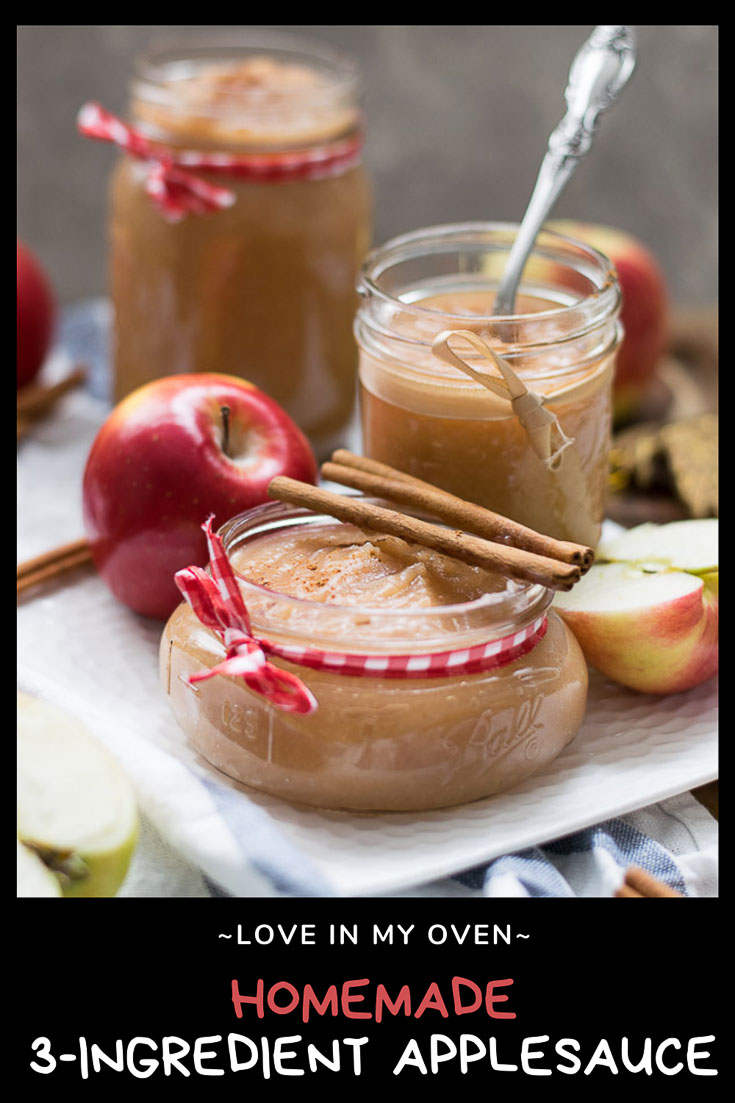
(431,240)
(517,604)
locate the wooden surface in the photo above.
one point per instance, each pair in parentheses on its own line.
(695,343)
(708,795)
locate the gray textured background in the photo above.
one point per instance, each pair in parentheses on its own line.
(458,117)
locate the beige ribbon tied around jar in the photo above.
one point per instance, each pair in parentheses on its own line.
(557,452)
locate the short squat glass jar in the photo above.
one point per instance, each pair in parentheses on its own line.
(429,419)
(263,288)
(378,742)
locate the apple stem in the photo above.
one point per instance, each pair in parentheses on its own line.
(225,411)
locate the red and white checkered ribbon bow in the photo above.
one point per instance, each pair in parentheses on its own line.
(218,603)
(172,184)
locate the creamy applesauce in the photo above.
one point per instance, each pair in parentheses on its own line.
(264,289)
(375,743)
(428,419)
(341,564)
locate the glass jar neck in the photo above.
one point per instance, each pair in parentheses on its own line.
(260,91)
(357,628)
(445,277)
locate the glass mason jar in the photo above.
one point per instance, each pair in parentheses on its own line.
(379,743)
(433,421)
(265,288)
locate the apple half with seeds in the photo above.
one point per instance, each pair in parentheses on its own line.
(646,613)
(77,816)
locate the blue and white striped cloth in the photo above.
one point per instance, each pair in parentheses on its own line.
(590,862)
(675,840)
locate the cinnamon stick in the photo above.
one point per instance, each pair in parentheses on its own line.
(640,884)
(36,399)
(372,477)
(52,564)
(626,890)
(647,885)
(516,562)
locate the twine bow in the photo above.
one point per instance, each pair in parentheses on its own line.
(569,489)
(546,436)
(218,603)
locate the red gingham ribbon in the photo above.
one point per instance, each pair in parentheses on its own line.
(218,603)
(177,191)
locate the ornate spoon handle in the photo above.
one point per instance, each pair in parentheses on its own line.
(599,72)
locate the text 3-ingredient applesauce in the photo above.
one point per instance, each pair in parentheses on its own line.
(263,288)
(376,742)
(430,420)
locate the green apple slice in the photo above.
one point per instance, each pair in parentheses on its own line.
(690,546)
(34,877)
(76,807)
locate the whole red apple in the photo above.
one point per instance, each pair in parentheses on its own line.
(644,313)
(35,315)
(168,455)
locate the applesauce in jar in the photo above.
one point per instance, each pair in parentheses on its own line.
(263,288)
(430,420)
(377,741)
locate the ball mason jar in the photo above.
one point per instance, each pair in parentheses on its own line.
(263,289)
(379,743)
(434,422)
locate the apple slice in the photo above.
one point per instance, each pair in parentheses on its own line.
(35,878)
(644,623)
(686,545)
(76,808)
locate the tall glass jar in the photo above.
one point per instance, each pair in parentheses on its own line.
(378,742)
(431,420)
(265,288)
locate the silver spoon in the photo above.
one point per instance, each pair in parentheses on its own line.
(599,72)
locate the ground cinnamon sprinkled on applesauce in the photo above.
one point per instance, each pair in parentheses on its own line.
(342,565)
(214,84)
(258,99)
